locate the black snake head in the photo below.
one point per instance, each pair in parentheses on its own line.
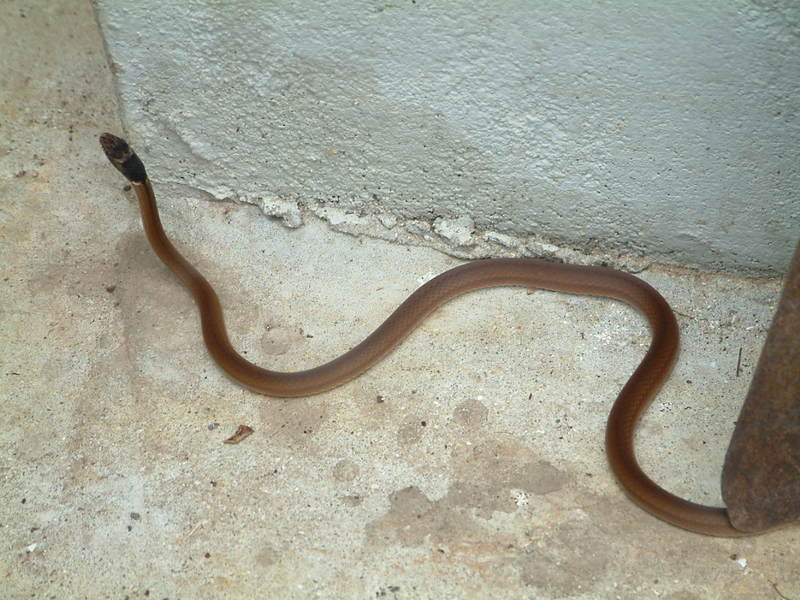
(123,158)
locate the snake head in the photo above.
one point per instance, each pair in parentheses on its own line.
(123,158)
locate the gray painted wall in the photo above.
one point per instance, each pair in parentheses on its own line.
(659,129)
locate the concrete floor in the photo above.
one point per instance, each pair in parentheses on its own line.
(468,464)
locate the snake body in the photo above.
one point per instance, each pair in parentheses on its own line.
(635,396)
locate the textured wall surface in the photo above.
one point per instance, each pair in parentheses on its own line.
(664,129)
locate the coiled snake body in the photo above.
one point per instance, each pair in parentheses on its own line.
(594,281)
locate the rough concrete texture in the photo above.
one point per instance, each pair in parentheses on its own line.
(665,130)
(468,464)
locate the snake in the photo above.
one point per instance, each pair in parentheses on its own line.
(636,394)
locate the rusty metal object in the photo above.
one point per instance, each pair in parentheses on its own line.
(761,477)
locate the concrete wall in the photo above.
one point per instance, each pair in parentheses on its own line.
(659,129)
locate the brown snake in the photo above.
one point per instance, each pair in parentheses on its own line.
(592,281)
